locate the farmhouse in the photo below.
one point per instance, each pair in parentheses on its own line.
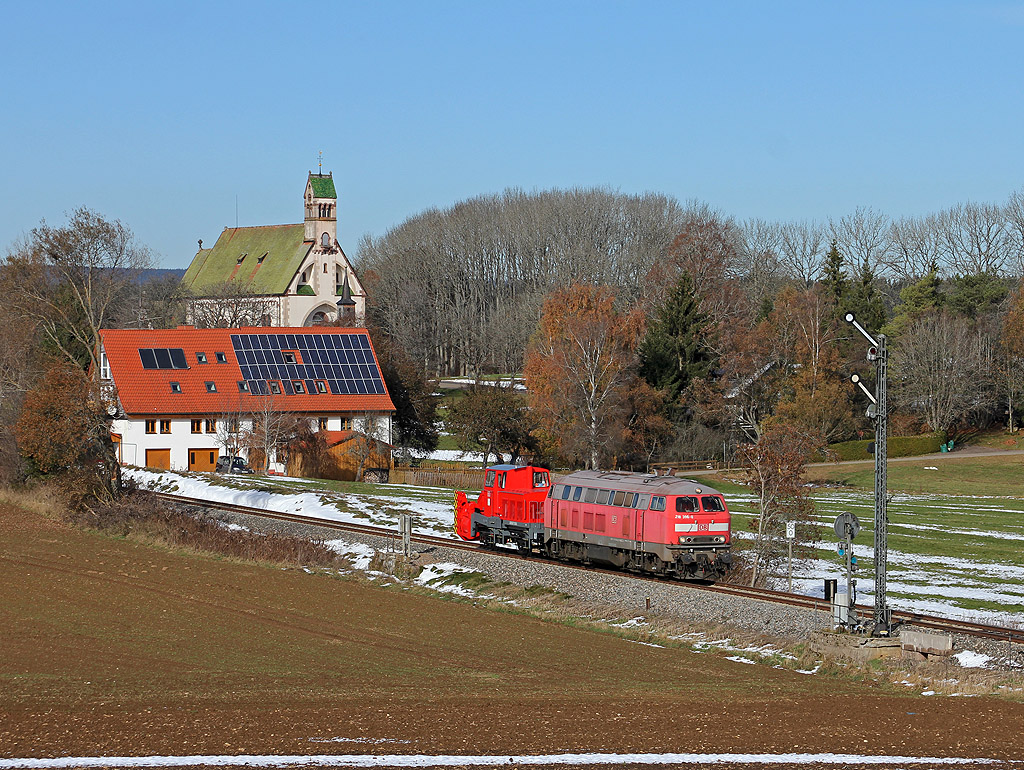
(278,275)
(187,396)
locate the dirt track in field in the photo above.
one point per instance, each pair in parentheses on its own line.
(110,647)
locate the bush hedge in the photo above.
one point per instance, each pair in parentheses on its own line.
(898,446)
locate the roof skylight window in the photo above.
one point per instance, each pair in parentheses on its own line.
(162,358)
(211,387)
(221,358)
(201,357)
(243,386)
(175,387)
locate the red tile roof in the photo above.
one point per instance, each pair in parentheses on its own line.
(148,391)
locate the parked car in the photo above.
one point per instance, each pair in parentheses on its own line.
(229,464)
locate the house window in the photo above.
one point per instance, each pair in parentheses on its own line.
(221,358)
(211,387)
(201,357)
(289,356)
(346,423)
(232,426)
(243,386)
(104,367)
(321,386)
(275,387)
(211,425)
(150,426)
(165,426)
(298,386)
(175,387)
(197,426)
(322,423)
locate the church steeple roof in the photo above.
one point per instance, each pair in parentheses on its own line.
(323,185)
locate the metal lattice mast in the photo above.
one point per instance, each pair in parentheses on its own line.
(881,614)
(879,411)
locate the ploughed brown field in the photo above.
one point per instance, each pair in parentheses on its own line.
(110,647)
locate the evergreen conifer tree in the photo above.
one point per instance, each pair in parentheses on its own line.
(916,300)
(675,352)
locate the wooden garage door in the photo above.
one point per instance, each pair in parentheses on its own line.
(202,459)
(158,458)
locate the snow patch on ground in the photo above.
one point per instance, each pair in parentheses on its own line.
(443,760)
(434,575)
(971,659)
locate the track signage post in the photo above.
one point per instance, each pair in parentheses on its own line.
(878,411)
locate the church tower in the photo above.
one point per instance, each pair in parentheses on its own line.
(321,225)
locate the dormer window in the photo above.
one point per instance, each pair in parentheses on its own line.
(325,240)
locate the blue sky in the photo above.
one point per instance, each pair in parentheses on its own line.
(161,114)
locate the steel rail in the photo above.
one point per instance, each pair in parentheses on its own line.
(967,628)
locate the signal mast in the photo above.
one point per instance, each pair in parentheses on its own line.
(878,411)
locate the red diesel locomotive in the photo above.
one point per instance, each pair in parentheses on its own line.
(659,524)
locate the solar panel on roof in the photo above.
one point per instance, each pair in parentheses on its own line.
(343,361)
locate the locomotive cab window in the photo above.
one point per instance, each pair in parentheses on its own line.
(657,503)
(540,479)
(687,505)
(489,481)
(566,491)
(591,495)
(643,502)
(576,492)
(620,496)
(501,480)
(712,503)
(602,496)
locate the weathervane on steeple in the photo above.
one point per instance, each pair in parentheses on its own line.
(320,171)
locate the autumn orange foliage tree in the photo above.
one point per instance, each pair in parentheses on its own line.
(63,428)
(579,365)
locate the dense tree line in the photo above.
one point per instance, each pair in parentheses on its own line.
(731,322)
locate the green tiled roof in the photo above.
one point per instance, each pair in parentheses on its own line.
(283,246)
(323,186)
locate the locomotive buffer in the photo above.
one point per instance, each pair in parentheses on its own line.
(878,352)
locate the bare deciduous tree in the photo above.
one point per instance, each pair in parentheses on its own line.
(72,279)
(230,305)
(977,238)
(803,246)
(915,244)
(863,238)
(942,369)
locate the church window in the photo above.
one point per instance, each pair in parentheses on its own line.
(325,264)
(326,240)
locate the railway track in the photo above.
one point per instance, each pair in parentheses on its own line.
(931,622)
